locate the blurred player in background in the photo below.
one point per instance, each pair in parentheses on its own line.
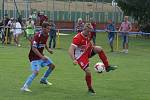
(93,32)
(79,25)
(38,59)
(110,28)
(81,49)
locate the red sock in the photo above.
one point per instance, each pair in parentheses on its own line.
(103,57)
(88,81)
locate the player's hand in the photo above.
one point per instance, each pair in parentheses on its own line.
(44,58)
(75,62)
(50,51)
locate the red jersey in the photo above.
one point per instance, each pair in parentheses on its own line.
(82,45)
(39,42)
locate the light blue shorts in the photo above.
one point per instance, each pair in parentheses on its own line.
(125,38)
(37,64)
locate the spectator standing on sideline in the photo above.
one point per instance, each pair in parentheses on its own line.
(110,28)
(52,34)
(17,33)
(79,25)
(125,28)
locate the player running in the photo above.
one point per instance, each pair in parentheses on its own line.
(81,49)
(38,59)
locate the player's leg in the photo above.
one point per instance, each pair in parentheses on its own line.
(103,57)
(123,42)
(83,62)
(15,41)
(9,36)
(50,41)
(111,42)
(88,79)
(126,44)
(18,39)
(110,39)
(3,36)
(51,67)
(94,39)
(35,66)
(54,41)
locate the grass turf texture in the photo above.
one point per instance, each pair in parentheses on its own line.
(129,82)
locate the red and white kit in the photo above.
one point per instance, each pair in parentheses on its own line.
(83,49)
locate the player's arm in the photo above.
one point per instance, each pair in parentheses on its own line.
(36,51)
(120,28)
(71,53)
(106,28)
(48,49)
(130,27)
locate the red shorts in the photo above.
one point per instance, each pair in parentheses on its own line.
(83,61)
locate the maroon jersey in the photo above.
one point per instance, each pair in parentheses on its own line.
(94,28)
(39,42)
(94,25)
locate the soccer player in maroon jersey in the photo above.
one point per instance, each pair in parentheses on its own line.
(38,59)
(81,49)
(93,32)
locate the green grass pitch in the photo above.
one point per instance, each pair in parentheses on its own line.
(131,81)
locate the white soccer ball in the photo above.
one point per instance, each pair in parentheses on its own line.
(99,67)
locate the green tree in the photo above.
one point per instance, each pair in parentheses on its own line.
(138,9)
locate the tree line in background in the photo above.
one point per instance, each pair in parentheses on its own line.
(109,1)
(139,10)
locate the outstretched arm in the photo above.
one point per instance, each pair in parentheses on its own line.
(71,53)
(48,49)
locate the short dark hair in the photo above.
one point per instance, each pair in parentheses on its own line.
(45,24)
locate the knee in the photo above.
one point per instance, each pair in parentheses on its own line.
(98,49)
(52,66)
(88,72)
(36,72)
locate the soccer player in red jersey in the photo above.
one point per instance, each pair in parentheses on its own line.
(38,59)
(81,49)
